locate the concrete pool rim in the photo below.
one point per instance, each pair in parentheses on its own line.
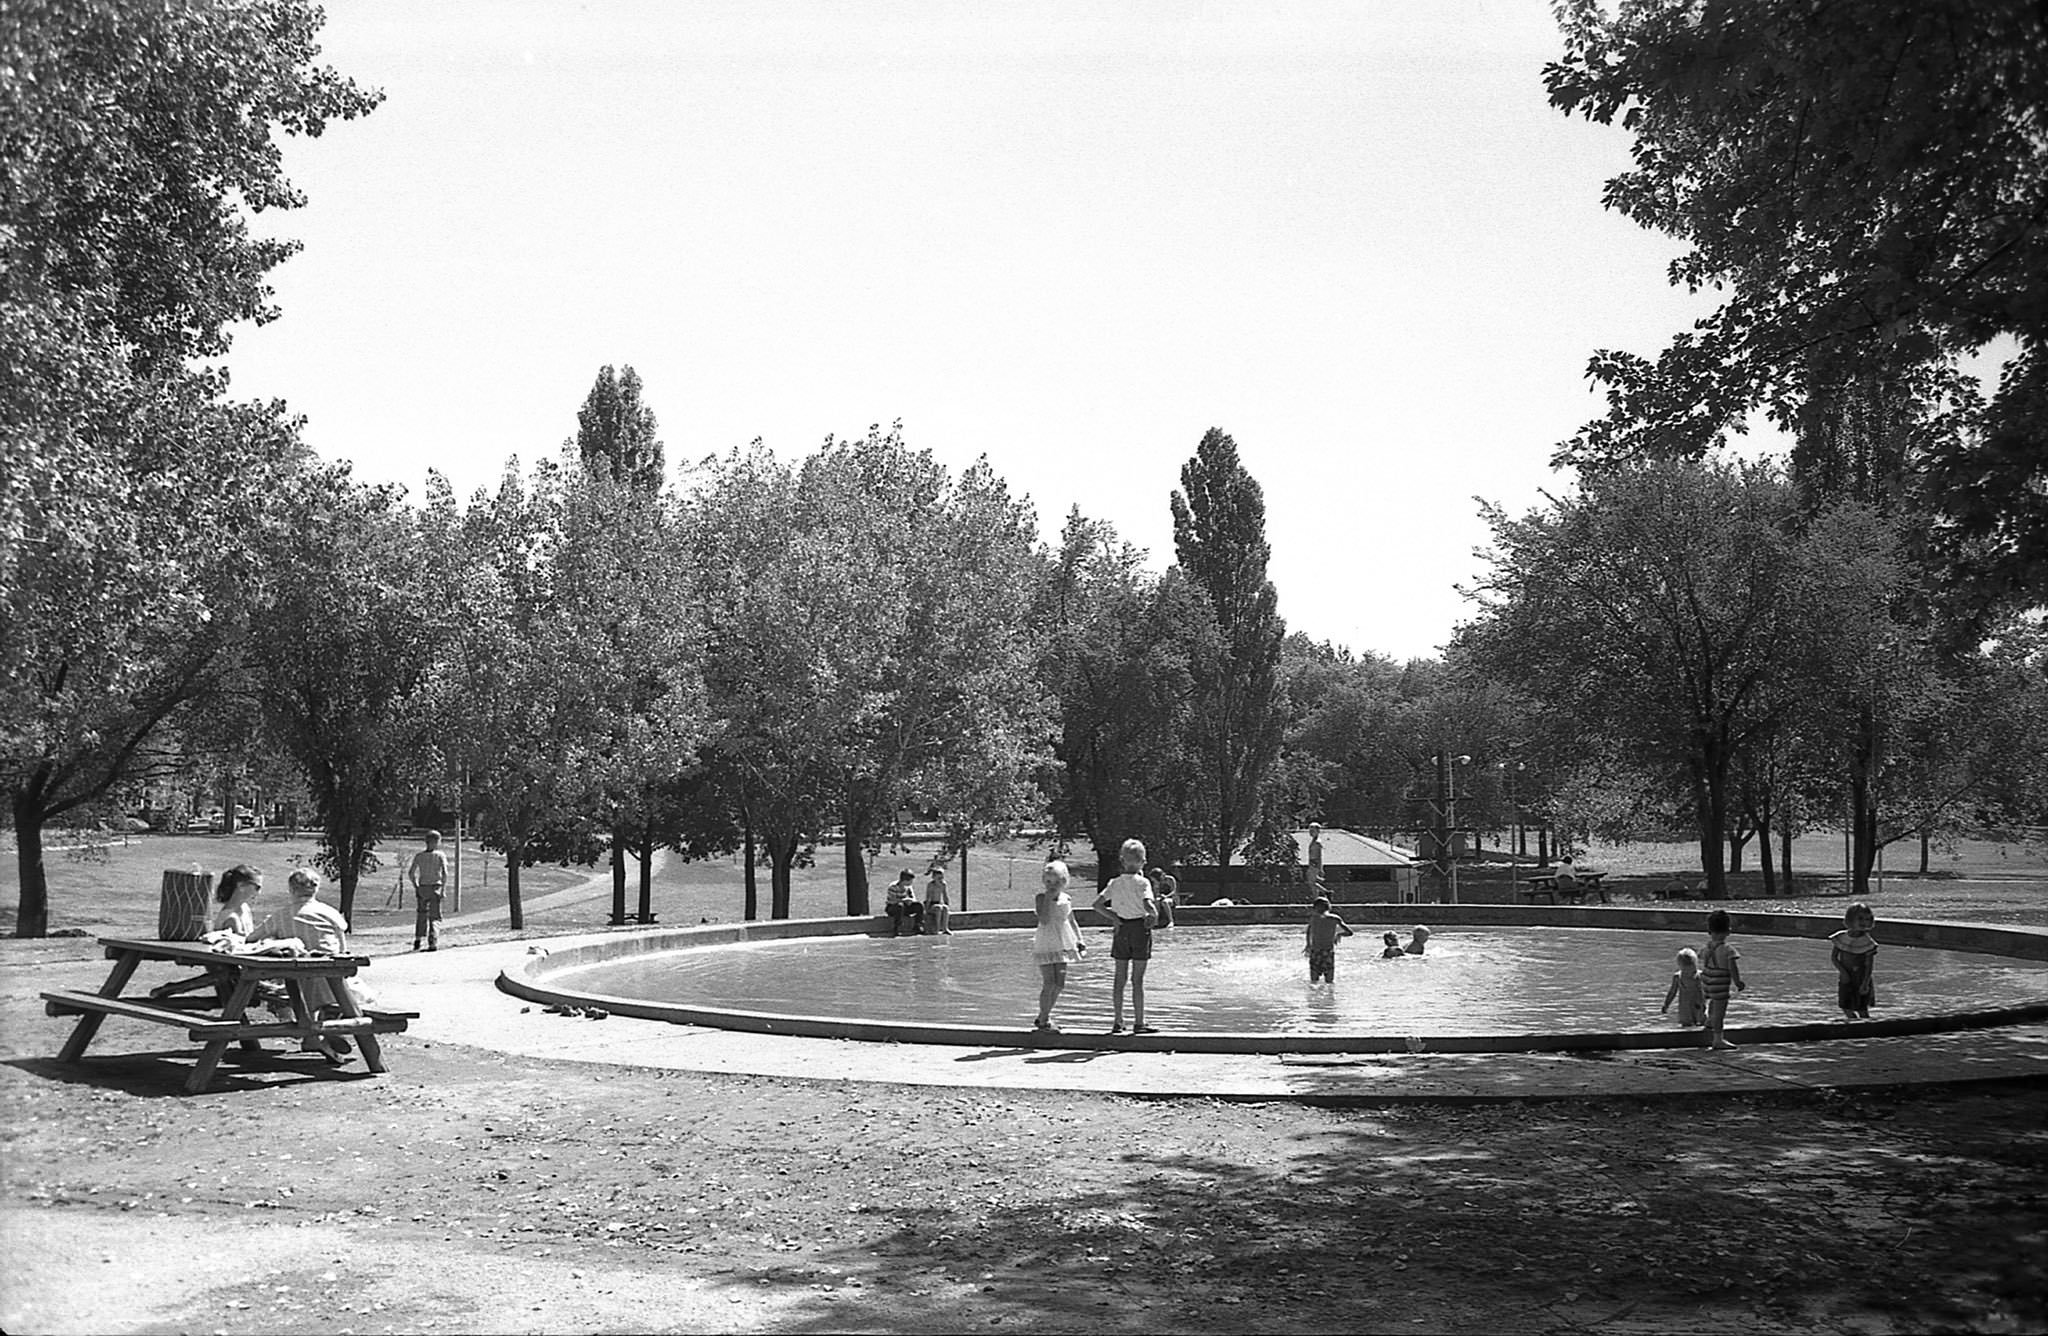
(529,980)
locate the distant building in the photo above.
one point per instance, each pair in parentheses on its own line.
(1356,868)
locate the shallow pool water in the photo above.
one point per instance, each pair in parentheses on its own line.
(1254,979)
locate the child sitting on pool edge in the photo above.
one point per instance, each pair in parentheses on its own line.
(1324,931)
(1688,990)
(1393,949)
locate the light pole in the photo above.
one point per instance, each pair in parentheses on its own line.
(1451,819)
(1508,773)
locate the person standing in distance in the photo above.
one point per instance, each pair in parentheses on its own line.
(428,874)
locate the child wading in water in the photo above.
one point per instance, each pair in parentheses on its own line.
(1129,900)
(1855,958)
(1057,944)
(1392,949)
(1718,969)
(1324,931)
(1688,990)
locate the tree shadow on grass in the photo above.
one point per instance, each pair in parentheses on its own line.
(1925,1210)
(153,1075)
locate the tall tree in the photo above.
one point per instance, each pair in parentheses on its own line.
(1656,608)
(1219,536)
(1868,184)
(1115,663)
(345,649)
(615,432)
(132,137)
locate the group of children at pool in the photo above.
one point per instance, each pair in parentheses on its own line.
(1701,986)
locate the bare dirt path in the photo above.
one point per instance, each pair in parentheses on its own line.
(467,1191)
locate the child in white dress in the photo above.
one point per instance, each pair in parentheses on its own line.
(1057,943)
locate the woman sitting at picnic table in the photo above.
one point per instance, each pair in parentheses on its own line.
(234,922)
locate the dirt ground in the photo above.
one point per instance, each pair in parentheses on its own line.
(467,1191)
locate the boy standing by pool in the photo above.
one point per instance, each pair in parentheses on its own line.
(1325,929)
(428,874)
(1718,969)
(1129,900)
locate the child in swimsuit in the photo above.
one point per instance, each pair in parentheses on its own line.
(1688,990)
(1393,949)
(1718,969)
(1855,959)
(1324,931)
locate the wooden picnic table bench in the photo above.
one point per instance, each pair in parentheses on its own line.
(234,978)
(1576,889)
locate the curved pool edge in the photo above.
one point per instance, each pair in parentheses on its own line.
(527,982)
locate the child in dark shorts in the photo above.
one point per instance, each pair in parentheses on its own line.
(1324,931)
(1129,901)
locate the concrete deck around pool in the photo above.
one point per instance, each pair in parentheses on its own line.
(455,991)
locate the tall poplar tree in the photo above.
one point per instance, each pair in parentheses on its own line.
(1240,714)
(615,432)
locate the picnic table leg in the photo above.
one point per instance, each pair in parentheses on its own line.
(222,987)
(89,1024)
(210,1056)
(345,998)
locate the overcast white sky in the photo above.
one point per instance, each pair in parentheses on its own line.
(1071,237)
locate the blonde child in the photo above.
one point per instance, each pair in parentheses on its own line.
(1418,941)
(1128,899)
(1719,968)
(1855,958)
(1688,990)
(1057,944)
(1325,929)
(938,903)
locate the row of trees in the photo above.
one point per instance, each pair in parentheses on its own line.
(602,665)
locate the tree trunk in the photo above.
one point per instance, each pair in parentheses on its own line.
(1738,839)
(350,851)
(32,911)
(1785,851)
(618,876)
(782,858)
(1710,797)
(646,854)
(1925,840)
(1763,854)
(857,823)
(753,906)
(514,856)
(1109,862)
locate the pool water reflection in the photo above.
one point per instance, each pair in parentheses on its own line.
(1253,979)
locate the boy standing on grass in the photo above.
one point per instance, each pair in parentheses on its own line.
(1718,969)
(1324,931)
(428,874)
(1129,901)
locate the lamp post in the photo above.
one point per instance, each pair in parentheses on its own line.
(1508,773)
(1451,818)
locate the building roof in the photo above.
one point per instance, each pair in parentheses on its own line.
(1345,848)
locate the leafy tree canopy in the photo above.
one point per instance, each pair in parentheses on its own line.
(1868,185)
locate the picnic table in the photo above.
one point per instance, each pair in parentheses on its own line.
(213,1006)
(1575,888)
